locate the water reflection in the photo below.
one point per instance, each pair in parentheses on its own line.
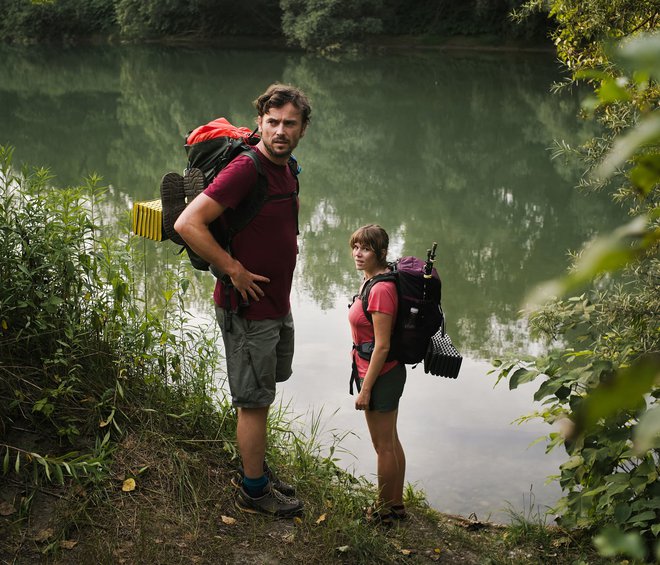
(444,147)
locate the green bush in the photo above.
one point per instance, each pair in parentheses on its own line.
(600,379)
(198,19)
(329,25)
(156,18)
(254,19)
(471,17)
(56,20)
(83,358)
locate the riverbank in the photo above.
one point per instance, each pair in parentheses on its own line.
(384,43)
(179,508)
(484,42)
(117,445)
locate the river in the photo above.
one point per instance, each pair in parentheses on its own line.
(445,146)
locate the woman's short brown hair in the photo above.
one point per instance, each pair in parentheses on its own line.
(374,237)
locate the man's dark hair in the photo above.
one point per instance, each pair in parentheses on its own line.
(278,95)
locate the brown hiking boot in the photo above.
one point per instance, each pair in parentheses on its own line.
(285,488)
(271,503)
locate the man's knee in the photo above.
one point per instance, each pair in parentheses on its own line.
(251,415)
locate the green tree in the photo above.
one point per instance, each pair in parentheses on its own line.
(329,25)
(584,27)
(601,378)
(206,19)
(32,21)
(155,18)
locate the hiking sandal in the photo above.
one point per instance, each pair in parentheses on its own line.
(380,516)
(398,512)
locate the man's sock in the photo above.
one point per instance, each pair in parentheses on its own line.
(255,487)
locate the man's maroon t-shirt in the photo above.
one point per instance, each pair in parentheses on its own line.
(268,245)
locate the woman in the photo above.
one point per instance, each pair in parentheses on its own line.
(379,381)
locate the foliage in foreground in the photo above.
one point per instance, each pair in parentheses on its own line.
(601,379)
(82,357)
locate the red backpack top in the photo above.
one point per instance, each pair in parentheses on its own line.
(219,127)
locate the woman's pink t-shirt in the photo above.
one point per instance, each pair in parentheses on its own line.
(383,299)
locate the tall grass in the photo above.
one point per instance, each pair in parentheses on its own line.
(99,385)
(82,356)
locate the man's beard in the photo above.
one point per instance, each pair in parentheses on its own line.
(277,154)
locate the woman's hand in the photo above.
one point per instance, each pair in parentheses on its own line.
(362,400)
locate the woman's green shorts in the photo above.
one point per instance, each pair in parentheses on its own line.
(387,390)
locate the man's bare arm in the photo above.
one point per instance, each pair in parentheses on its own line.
(193,226)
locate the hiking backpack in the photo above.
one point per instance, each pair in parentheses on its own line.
(419,313)
(210,148)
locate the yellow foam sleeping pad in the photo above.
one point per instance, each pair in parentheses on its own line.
(148,220)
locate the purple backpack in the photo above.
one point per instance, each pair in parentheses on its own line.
(419,314)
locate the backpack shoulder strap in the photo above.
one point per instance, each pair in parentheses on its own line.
(255,159)
(366,290)
(258,196)
(252,204)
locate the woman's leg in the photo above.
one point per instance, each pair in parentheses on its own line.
(391,458)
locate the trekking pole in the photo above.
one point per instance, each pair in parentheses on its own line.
(428,267)
(430,259)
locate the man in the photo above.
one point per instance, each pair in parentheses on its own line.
(252,301)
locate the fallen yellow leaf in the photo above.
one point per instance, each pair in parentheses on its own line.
(44,535)
(561,541)
(228,520)
(406,551)
(6,509)
(68,544)
(129,485)
(297,521)
(321,518)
